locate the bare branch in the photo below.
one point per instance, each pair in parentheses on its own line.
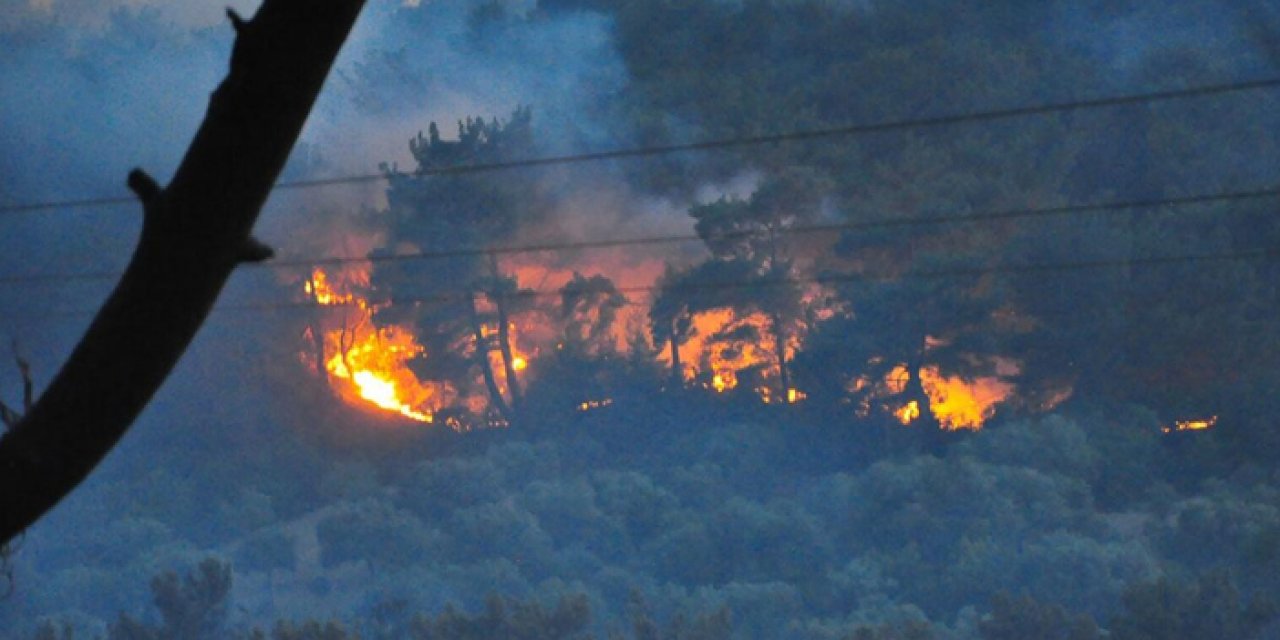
(194,234)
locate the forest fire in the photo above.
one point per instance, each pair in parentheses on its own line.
(724,350)
(367,365)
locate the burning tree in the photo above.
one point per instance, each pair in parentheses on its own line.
(587,366)
(919,342)
(671,318)
(461,306)
(745,296)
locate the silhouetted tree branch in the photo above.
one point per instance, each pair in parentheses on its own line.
(195,232)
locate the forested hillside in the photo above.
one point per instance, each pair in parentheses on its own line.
(813,319)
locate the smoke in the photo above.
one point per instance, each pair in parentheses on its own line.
(95,15)
(95,88)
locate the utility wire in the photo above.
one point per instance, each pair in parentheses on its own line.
(846,278)
(826,279)
(929,220)
(709,145)
(763,283)
(939,219)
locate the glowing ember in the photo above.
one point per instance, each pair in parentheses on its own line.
(595,404)
(1192,425)
(768,395)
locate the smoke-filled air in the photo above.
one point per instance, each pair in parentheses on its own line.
(697,320)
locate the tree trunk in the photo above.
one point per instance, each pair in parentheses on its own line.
(677,368)
(780,349)
(914,390)
(486,368)
(504,339)
(508,358)
(194,233)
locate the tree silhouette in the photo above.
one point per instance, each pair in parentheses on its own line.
(441,210)
(195,232)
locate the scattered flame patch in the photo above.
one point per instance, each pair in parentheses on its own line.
(595,404)
(1201,424)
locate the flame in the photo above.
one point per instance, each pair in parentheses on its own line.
(319,289)
(1201,424)
(366,365)
(955,403)
(963,404)
(519,358)
(908,413)
(594,404)
(713,357)
(768,395)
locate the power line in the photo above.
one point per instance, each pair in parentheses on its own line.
(709,145)
(846,278)
(764,283)
(940,219)
(830,279)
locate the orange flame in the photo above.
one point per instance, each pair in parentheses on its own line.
(963,404)
(366,365)
(1192,425)
(594,404)
(908,413)
(717,361)
(955,403)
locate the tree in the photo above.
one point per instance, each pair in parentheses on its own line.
(1024,618)
(1211,607)
(671,318)
(750,272)
(568,619)
(195,232)
(439,209)
(192,607)
(749,233)
(586,365)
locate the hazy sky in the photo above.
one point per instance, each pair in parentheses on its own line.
(94,88)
